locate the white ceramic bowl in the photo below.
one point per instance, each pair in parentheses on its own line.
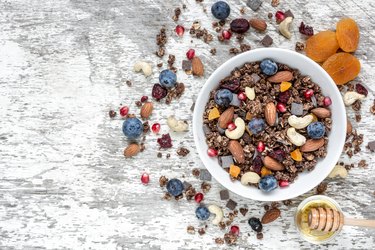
(305,181)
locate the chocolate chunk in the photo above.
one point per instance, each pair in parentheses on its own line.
(243,211)
(267,41)
(187,66)
(254,4)
(231,204)
(206,129)
(205,175)
(255,77)
(289,13)
(187,185)
(226,161)
(224,194)
(235,101)
(371,146)
(297,109)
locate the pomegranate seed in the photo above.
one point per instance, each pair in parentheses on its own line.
(145,178)
(231,126)
(280,16)
(155,128)
(212,152)
(327,101)
(124,111)
(261,147)
(283,183)
(180,30)
(242,96)
(144,98)
(226,34)
(190,54)
(281,107)
(198,197)
(235,230)
(309,93)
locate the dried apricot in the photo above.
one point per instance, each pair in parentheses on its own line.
(284,86)
(234,171)
(342,67)
(296,155)
(347,34)
(213,114)
(321,46)
(265,171)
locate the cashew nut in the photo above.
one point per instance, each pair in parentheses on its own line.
(250,177)
(284,27)
(238,131)
(300,122)
(144,66)
(177,125)
(250,93)
(295,138)
(350,97)
(338,170)
(218,212)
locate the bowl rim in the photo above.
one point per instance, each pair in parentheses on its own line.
(200,145)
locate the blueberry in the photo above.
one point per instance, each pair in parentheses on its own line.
(168,78)
(316,130)
(268,183)
(223,97)
(220,10)
(132,128)
(202,213)
(255,224)
(256,125)
(268,67)
(175,187)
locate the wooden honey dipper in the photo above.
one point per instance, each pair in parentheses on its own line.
(331,220)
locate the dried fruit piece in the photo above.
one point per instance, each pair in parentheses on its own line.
(214,114)
(165,141)
(296,155)
(284,86)
(265,171)
(159,92)
(306,30)
(347,34)
(234,171)
(361,89)
(321,46)
(342,67)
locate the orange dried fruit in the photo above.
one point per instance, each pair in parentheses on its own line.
(284,86)
(234,171)
(296,155)
(347,34)
(342,67)
(321,46)
(214,114)
(265,171)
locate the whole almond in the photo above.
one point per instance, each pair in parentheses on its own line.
(312,145)
(272,164)
(197,66)
(258,24)
(270,215)
(281,76)
(131,150)
(236,150)
(349,127)
(146,110)
(226,117)
(270,113)
(321,112)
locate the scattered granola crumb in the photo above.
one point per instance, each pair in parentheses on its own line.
(129,83)
(163,181)
(161,40)
(213,51)
(112,114)
(196,172)
(287,202)
(242,10)
(159,155)
(190,193)
(321,188)
(243,211)
(219,241)
(190,230)
(138,103)
(260,236)
(201,231)
(270,15)
(300,46)
(266,207)
(167,196)
(171,60)
(177,13)
(275,3)
(245,47)
(358,117)
(159,65)
(234,51)
(205,187)
(275,204)
(362,164)
(230,238)
(372,109)
(146,127)
(142,147)
(183,151)
(168,155)
(222,225)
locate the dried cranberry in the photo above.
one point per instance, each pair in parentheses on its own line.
(159,92)
(165,141)
(232,85)
(144,98)
(284,96)
(257,164)
(278,154)
(240,25)
(361,89)
(306,30)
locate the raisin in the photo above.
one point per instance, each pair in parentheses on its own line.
(159,92)
(306,30)
(284,96)
(321,46)
(347,34)
(278,154)
(342,67)
(257,164)
(232,85)
(165,141)
(361,89)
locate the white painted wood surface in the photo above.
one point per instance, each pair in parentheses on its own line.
(64,183)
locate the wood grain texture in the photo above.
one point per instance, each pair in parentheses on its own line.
(64,183)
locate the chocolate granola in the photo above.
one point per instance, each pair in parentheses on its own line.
(301,93)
